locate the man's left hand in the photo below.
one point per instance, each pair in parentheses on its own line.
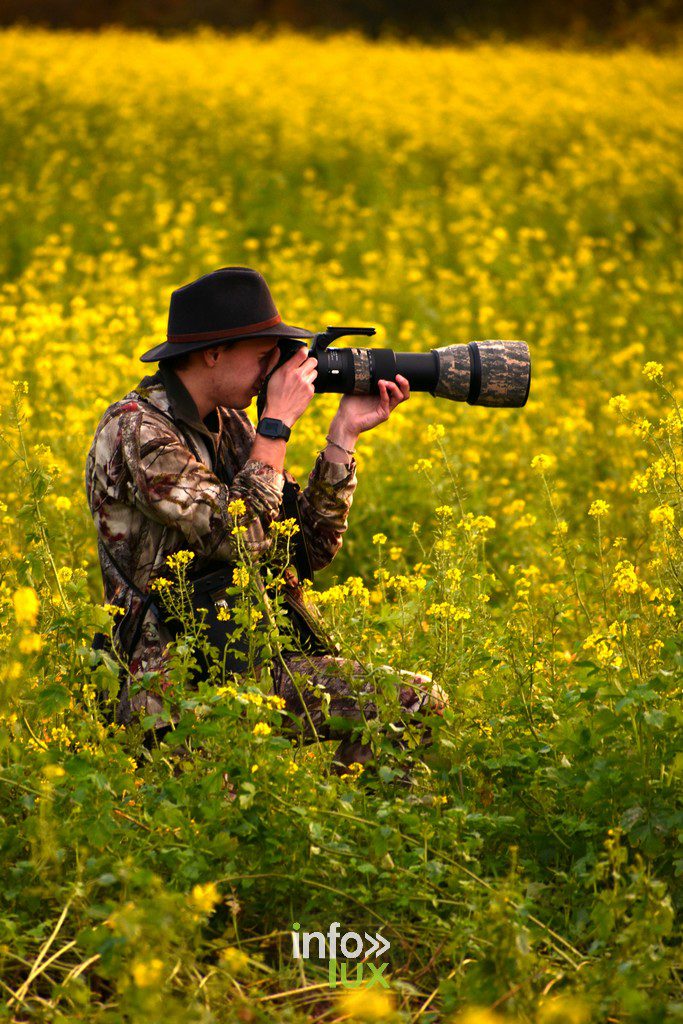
(358,413)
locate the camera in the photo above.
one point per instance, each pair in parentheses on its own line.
(492,373)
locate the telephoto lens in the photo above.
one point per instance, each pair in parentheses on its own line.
(493,373)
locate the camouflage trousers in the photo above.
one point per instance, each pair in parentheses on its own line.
(326,696)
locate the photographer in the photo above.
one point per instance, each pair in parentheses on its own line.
(168,459)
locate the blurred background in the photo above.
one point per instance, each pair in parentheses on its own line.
(587,21)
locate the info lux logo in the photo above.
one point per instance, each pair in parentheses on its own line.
(351,946)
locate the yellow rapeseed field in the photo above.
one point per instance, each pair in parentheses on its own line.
(524,557)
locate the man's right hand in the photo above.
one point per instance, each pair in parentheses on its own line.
(291,388)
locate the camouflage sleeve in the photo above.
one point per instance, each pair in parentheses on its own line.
(171,486)
(324,507)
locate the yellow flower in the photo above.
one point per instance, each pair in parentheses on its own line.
(234,960)
(619,403)
(639,482)
(26,606)
(518,505)
(262,729)
(147,973)
(598,508)
(113,609)
(653,371)
(160,583)
(237,507)
(478,1015)
(484,523)
(31,643)
(255,615)
(284,527)
(62,504)
(643,428)
(366,1004)
(355,585)
(543,462)
(240,576)
(205,897)
(663,514)
(524,521)
(334,595)
(564,1010)
(448,611)
(379,538)
(179,559)
(435,431)
(53,771)
(624,579)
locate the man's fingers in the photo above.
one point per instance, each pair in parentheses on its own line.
(306,369)
(384,402)
(402,388)
(396,394)
(404,385)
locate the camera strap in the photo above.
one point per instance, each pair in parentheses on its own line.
(148,604)
(290,507)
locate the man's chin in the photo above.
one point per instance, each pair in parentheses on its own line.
(244,402)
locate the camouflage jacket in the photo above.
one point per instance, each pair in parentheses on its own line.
(159,479)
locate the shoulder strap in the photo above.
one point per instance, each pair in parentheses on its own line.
(148,604)
(290,507)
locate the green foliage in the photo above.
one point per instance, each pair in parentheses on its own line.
(534,850)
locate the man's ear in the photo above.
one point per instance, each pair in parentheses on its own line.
(211,356)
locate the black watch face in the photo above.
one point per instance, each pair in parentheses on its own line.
(272,428)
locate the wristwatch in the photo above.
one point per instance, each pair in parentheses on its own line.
(269,427)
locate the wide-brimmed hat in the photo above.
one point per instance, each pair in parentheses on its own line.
(223,306)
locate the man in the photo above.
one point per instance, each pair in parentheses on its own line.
(168,459)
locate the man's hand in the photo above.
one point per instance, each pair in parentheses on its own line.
(291,388)
(358,413)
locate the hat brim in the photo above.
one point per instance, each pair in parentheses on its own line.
(168,349)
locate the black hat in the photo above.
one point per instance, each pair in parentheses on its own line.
(223,306)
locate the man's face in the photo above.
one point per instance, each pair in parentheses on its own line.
(240,369)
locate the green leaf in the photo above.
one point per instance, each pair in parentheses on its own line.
(53,698)
(655,718)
